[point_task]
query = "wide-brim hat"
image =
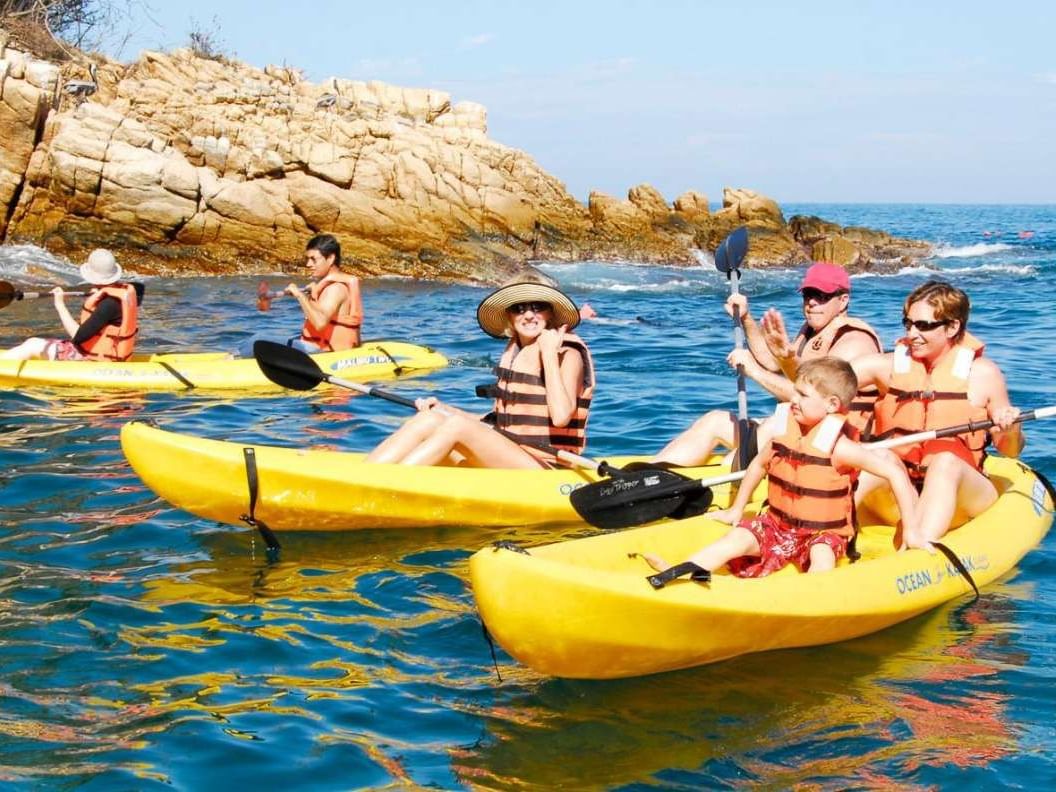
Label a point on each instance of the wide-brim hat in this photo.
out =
(101, 268)
(491, 313)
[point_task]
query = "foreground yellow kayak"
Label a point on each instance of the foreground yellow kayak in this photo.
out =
(212, 370)
(583, 608)
(313, 490)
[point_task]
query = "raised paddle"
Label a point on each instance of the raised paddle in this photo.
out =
(291, 368)
(728, 258)
(641, 499)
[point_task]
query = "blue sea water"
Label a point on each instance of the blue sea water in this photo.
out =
(144, 648)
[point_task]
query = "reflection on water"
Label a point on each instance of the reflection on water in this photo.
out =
(143, 648)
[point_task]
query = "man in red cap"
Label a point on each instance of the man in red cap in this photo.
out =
(772, 360)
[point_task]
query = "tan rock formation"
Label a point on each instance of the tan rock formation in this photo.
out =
(196, 165)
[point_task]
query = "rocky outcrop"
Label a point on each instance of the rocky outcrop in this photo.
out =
(858, 249)
(192, 165)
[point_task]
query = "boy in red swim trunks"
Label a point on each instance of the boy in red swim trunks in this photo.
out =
(812, 466)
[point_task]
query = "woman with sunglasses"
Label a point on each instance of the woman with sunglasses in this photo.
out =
(937, 377)
(772, 360)
(542, 396)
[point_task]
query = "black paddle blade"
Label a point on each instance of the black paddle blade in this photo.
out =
(630, 499)
(291, 368)
(7, 294)
(731, 252)
(747, 444)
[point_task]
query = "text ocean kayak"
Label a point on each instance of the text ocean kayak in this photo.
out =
(212, 370)
(583, 608)
(315, 490)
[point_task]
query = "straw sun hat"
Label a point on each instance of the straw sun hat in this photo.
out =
(101, 268)
(491, 313)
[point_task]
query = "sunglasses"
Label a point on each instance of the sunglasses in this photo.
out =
(534, 307)
(922, 325)
(820, 297)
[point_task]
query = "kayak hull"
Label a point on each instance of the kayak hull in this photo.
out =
(212, 370)
(583, 608)
(316, 490)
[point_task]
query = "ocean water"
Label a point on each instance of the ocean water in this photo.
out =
(144, 648)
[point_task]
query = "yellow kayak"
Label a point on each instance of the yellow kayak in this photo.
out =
(212, 370)
(583, 608)
(315, 490)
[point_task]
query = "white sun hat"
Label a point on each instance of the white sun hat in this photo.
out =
(101, 268)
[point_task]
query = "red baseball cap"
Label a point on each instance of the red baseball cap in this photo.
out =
(826, 277)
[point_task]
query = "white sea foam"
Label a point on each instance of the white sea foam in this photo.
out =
(968, 251)
(1013, 269)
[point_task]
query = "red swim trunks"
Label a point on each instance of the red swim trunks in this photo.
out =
(780, 545)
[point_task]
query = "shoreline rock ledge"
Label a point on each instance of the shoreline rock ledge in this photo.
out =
(190, 165)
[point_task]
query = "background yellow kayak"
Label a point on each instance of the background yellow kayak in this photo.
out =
(212, 370)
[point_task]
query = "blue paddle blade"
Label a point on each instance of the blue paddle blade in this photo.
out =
(731, 252)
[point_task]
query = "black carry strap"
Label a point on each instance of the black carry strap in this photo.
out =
(183, 380)
(397, 369)
(270, 540)
(957, 563)
(697, 574)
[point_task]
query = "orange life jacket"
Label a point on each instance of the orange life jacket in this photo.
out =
(810, 347)
(520, 402)
(918, 400)
(112, 342)
(342, 331)
(805, 489)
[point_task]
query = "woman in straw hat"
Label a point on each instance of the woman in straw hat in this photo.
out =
(542, 396)
(108, 323)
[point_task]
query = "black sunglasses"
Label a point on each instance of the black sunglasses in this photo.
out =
(922, 325)
(534, 307)
(820, 297)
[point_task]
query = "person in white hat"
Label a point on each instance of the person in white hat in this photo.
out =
(772, 360)
(108, 322)
(542, 394)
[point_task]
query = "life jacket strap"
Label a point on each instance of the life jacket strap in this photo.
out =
(810, 525)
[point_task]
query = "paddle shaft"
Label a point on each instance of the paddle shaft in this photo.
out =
(686, 488)
(738, 343)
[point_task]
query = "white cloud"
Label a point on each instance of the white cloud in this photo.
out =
(479, 40)
(1049, 78)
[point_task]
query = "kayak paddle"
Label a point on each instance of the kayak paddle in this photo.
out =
(9, 294)
(265, 296)
(641, 499)
(728, 258)
(291, 368)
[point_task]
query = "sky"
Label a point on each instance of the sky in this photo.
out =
(847, 102)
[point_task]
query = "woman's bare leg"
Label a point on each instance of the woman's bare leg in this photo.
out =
(481, 446)
(413, 433)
